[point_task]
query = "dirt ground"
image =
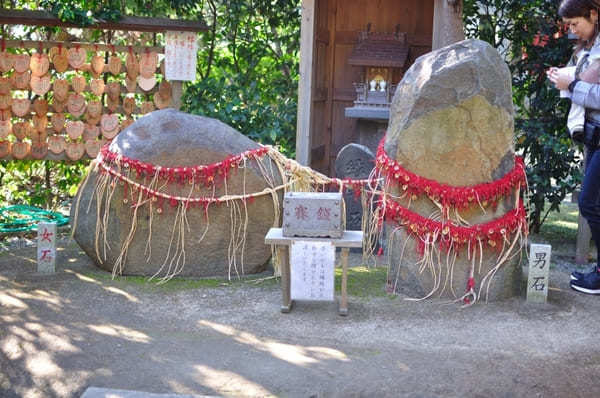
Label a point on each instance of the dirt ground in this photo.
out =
(62, 333)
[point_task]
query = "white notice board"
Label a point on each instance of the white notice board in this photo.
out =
(312, 265)
(181, 56)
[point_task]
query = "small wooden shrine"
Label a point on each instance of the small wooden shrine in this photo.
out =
(382, 57)
(339, 62)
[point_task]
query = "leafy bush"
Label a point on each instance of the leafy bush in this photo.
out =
(531, 37)
(248, 69)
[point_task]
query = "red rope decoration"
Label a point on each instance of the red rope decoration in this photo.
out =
(446, 195)
(205, 174)
(493, 232)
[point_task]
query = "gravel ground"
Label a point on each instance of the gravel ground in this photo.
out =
(62, 333)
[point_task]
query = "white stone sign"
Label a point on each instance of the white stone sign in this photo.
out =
(312, 265)
(46, 247)
(539, 272)
(180, 56)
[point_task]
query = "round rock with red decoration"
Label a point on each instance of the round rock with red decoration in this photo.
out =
(453, 128)
(180, 143)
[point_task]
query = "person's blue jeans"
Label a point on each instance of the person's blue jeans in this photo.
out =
(589, 198)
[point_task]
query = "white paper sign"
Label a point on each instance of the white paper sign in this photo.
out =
(312, 266)
(180, 56)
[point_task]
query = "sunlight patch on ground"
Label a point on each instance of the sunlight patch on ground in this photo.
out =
(9, 301)
(42, 365)
(566, 224)
(52, 336)
(17, 298)
(294, 354)
(222, 380)
(111, 289)
(121, 332)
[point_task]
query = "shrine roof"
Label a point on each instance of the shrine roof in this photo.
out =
(388, 50)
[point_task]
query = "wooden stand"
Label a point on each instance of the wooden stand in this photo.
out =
(348, 240)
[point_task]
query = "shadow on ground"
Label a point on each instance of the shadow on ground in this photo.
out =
(62, 333)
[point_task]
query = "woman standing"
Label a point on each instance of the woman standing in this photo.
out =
(582, 18)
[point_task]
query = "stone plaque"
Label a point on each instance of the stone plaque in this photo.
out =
(354, 161)
(539, 271)
(312, 265)
(312, 214)
(46, 247)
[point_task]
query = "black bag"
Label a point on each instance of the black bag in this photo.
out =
(591, 135)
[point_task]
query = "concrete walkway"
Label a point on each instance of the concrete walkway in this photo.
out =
(95, 392)
(64, 333)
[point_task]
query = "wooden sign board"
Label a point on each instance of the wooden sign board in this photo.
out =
(313, 214)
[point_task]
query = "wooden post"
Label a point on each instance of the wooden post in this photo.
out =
(177, 88)
(283, 252)
(447, 23)
(305, 85)
(343, 311)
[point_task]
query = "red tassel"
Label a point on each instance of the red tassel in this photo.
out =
(470, 284)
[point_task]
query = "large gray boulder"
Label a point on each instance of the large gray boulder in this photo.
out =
(171, 138)
(452, 121)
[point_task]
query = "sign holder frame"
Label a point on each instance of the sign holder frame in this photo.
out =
(282, 243)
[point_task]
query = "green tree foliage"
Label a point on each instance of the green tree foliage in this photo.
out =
(247, 76)
(531, 37)
(248, 69)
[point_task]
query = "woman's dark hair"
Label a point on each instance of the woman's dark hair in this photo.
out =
(580, 8)
(577, 8)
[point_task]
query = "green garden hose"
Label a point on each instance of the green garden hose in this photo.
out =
(23, 218)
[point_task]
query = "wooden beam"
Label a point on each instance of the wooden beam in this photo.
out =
(305, 85)
(137, 24)
(447, 23)
(88, 46)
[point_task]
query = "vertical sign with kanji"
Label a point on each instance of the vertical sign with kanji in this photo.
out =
(312, 265)
(46, 247)
(539, 272)
(180, 56)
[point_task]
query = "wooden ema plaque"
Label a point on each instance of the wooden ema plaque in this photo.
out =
(7, 61)
(20, 81)
(97, 64)
(20, 106)
(21, 63)
(76, 57)
(60, 61)
(5, 128)
(39, 64)
(56, 144)
(50, 106)
(5, 149)
(40, 84)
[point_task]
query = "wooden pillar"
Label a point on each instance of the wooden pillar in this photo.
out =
(177, 88)
(305, 85)
(447, 23)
